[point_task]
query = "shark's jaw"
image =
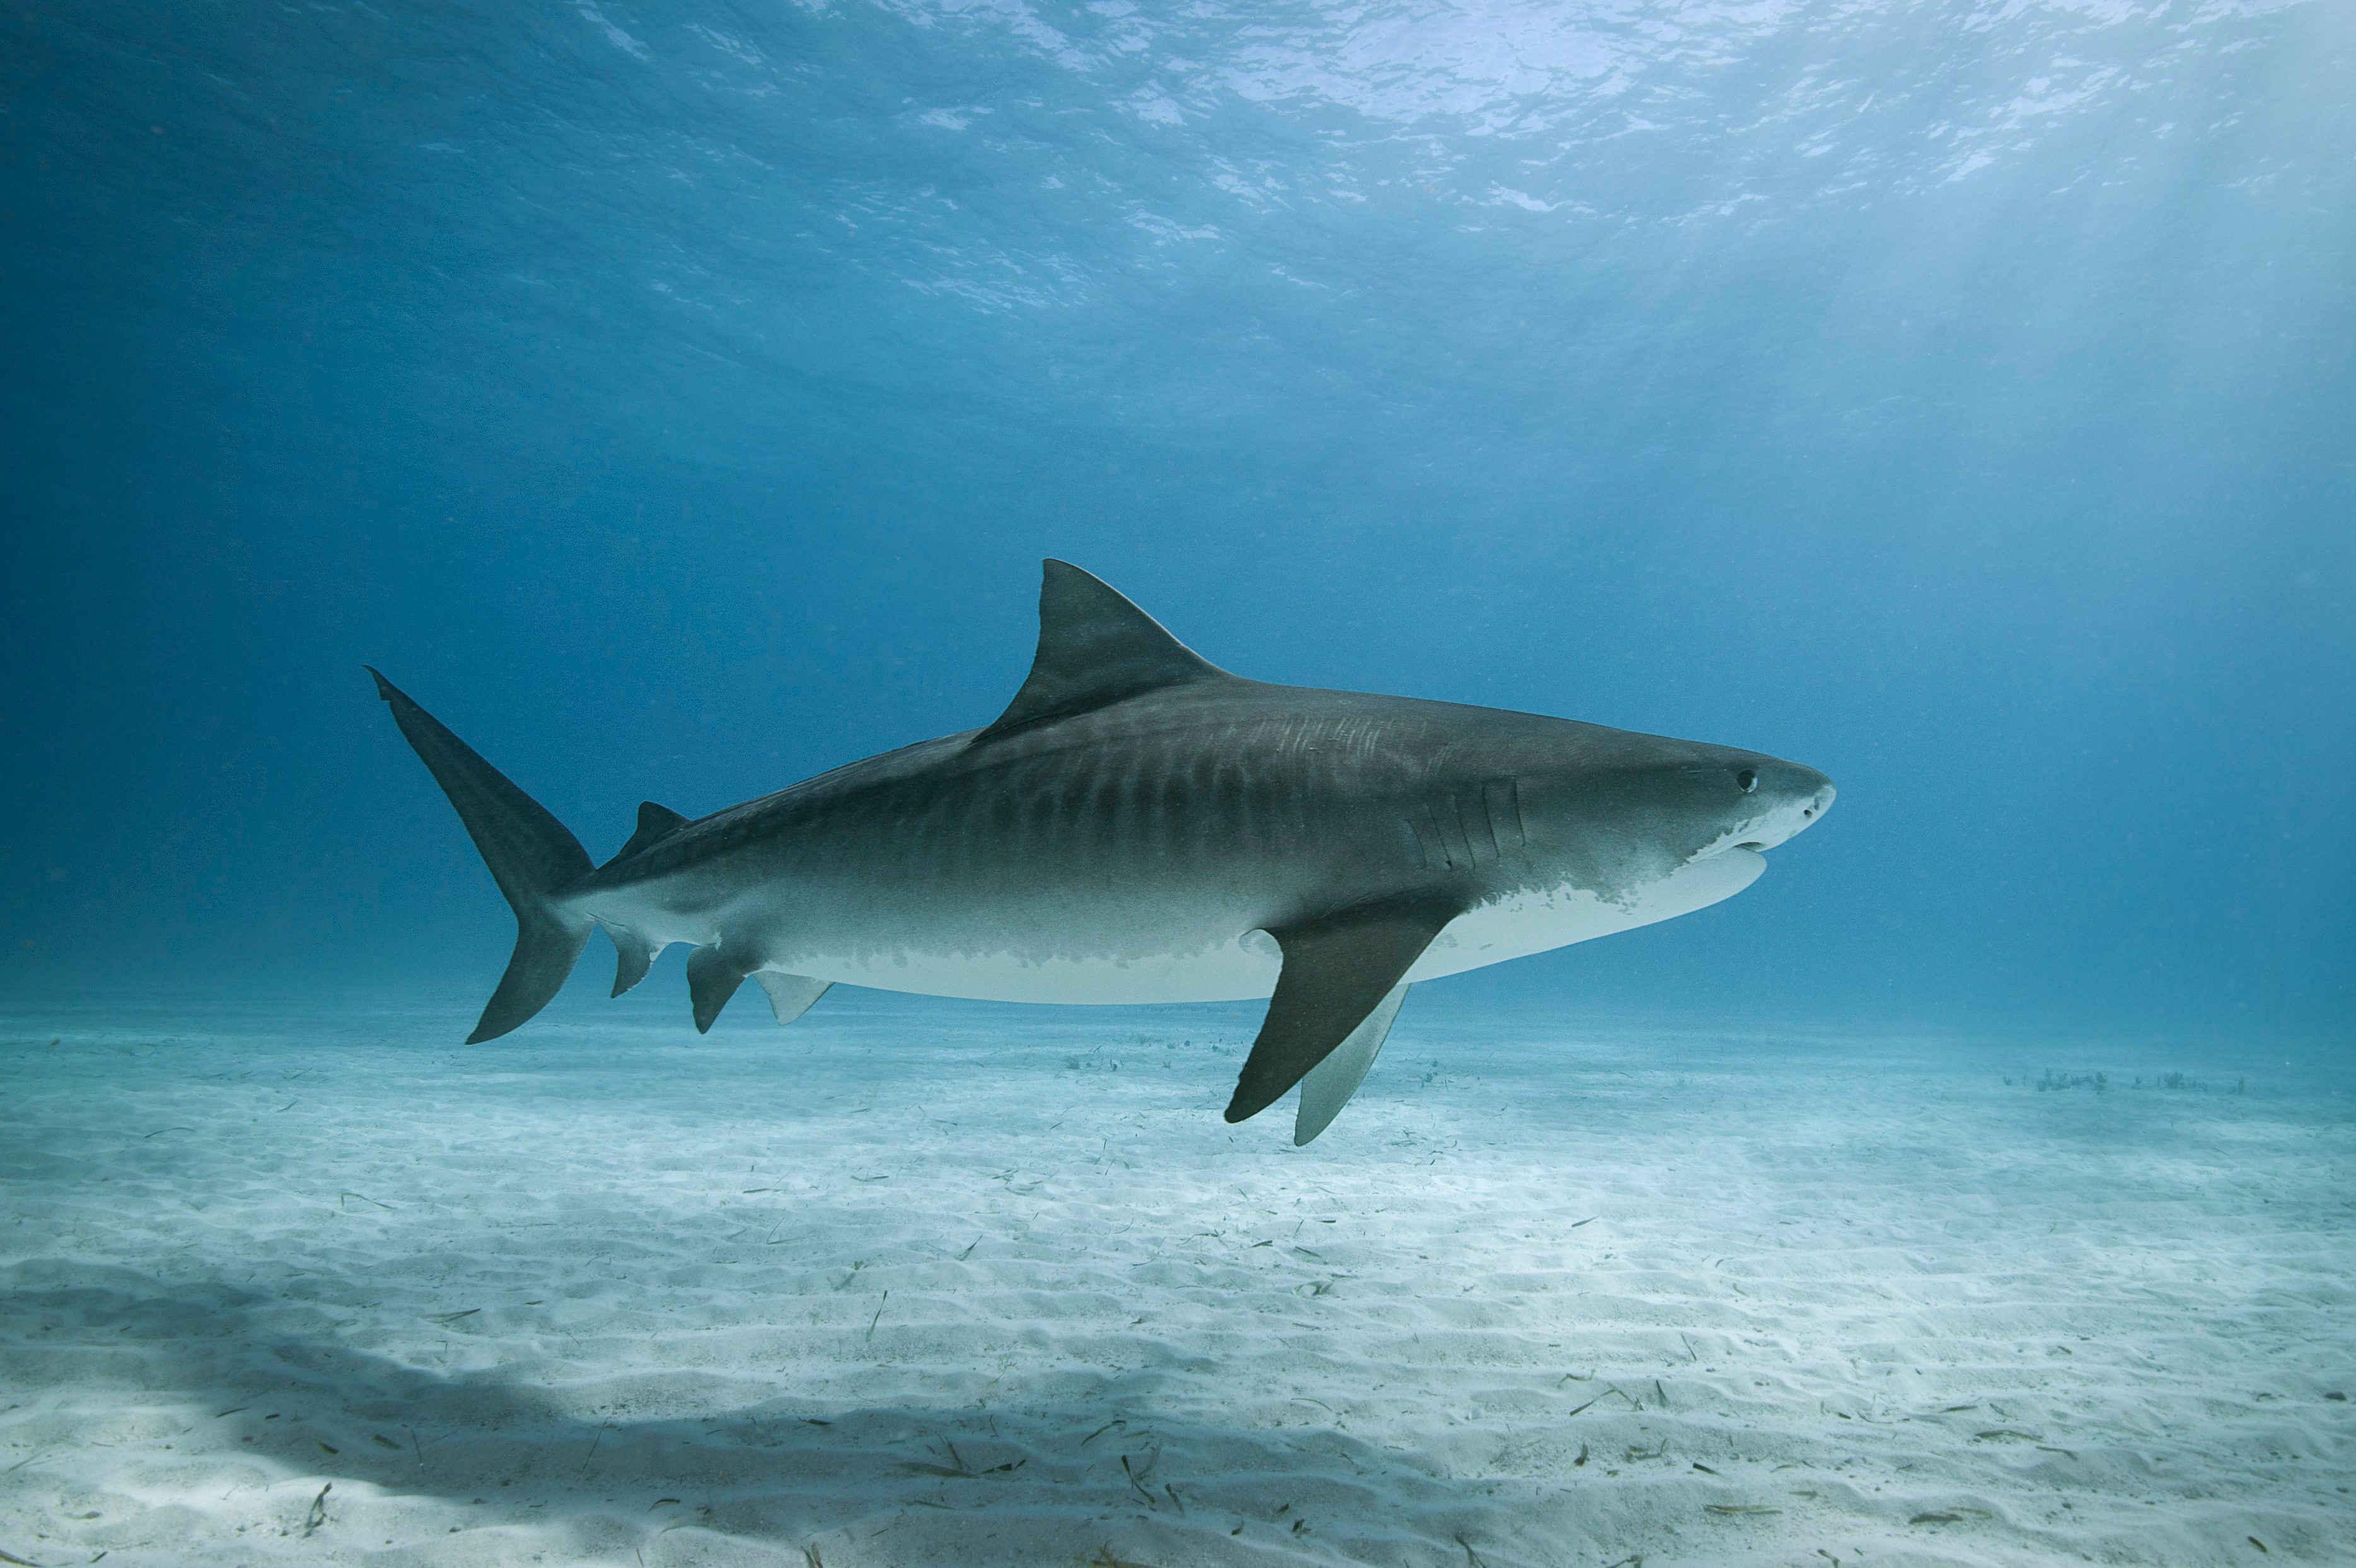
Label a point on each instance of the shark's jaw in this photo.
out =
(1775, 822)
(1524, 923)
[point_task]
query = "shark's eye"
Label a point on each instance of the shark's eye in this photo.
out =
(1746, 779)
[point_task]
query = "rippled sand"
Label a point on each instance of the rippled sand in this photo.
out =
(939, 1284)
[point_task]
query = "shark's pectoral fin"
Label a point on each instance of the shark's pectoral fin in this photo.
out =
(791, 995)
(711, 980)
(633, 956)
(1330, 1082)
(1338, 970)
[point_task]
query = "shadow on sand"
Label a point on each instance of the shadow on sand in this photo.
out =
(249, 1389)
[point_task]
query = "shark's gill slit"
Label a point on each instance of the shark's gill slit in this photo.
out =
(1440, 837)
(1454, 831)
(1501, 797)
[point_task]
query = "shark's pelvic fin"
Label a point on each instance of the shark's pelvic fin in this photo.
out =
(1338, 969)
(711, 980)
(791, 995)
(654, 822)
(532, 857)
(1330, 1082)
(1095, 648)
(633, 956)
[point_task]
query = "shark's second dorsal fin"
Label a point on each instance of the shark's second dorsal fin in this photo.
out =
(1095, 648)
(654, 822)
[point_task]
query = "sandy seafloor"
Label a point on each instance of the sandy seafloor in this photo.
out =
(931, 1284)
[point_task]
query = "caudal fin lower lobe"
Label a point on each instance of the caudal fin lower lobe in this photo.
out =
(533, 856)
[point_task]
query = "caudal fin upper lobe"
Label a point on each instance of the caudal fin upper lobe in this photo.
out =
(532, 856)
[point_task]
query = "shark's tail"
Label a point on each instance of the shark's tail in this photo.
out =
(532, 856)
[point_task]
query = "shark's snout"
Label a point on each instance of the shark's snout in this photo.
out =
(1812, 790)
(1796, 798)
(1780, 800)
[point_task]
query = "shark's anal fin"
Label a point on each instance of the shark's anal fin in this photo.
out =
(654, 822)
(1095, 648)
(711, 980)
(1330, 1082)
(633, 956)
(791, 995)
(1338, 969)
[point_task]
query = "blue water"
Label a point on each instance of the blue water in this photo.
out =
(1955, 397)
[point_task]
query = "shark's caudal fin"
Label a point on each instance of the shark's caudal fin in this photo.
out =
(532, 856)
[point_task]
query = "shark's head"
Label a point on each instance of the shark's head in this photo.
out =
(1771, 800)
(1616, 813)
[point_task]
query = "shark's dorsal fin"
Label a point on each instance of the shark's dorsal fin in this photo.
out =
(654, 822)
(1095, 648)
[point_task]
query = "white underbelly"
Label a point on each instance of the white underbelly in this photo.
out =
(1245, 967)
(1223, 972)
(1541, 922)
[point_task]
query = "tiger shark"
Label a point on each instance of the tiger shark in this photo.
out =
(1139, 825)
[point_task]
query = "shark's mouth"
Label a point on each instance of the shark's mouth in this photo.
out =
(1728, 846)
